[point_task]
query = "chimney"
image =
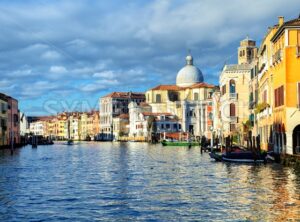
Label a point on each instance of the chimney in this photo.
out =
(280, 20)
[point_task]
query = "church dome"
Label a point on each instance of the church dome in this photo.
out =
(189, 74)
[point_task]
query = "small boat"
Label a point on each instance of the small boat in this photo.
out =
(70, 142)
(239, 157)
(179, 143)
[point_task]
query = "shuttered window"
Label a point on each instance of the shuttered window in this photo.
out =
(223, 89)
(158, 98)
(265, 96)
(279, 96)
(232, 109)
(298, 94)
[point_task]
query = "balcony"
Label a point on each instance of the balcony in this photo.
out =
(277, 57)
(252, 104)
(233, 96)
(265, 113)
(233, 119)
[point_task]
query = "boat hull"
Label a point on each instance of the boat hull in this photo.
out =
(168, 143)
(237, 157)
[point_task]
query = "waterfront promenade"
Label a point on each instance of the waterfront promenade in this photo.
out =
(141, 182)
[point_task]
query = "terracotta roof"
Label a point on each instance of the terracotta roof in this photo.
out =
(127, 95)
(167, 87)
(175, 87)
(202, 85)
(291, 23)
(144, 104)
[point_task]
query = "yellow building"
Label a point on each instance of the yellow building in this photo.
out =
(263, 110)
(277, 111)
(286, 86)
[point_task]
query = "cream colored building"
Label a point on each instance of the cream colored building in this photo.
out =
(234, 86)
(190, 100)
(120, 126)
(113, 105)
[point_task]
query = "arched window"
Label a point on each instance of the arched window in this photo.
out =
(232, 109)
(232, 86)
(158, 98)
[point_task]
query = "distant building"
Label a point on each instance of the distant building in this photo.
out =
(13, 123)
(136, 127)
(3, 119)
(113, 105)
(24, 124)
(38, 128)
(120, 126)
(190, 100)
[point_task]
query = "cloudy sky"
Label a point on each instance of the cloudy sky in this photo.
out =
(62, 55)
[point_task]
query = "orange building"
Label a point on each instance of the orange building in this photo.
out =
(286, 86)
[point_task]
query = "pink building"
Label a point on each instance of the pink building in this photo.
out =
(13, 123)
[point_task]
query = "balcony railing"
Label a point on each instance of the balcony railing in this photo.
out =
(233, 119)
(232, 95)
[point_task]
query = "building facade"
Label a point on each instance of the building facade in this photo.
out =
(13, 121)
(113, 105)
(235, 91)
(3, 119)
(190, 100)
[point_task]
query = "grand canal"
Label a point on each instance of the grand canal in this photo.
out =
(141, 182)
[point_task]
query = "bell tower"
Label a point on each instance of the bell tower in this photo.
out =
(247, 51)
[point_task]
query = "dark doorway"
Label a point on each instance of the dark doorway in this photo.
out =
(296, 140)
(191, 129)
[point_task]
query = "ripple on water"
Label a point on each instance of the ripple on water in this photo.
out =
(130, 182)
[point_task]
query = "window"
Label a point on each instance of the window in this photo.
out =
(158, 98)
(298, 88)
(196, 96)
(232, 86)
(264, 99)
(232, 109)
(223, 89)
(168, 126)
(162, 126)
(279, 96)
(175, 125)
(179, 126)
(251, 97)
(232, 127)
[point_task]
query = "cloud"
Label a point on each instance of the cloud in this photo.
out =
(51, 55)
(83, 49)
(58, 69)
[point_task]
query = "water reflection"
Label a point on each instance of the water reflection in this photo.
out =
(136, 181)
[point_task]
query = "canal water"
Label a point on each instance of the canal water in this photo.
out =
(141, 182)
